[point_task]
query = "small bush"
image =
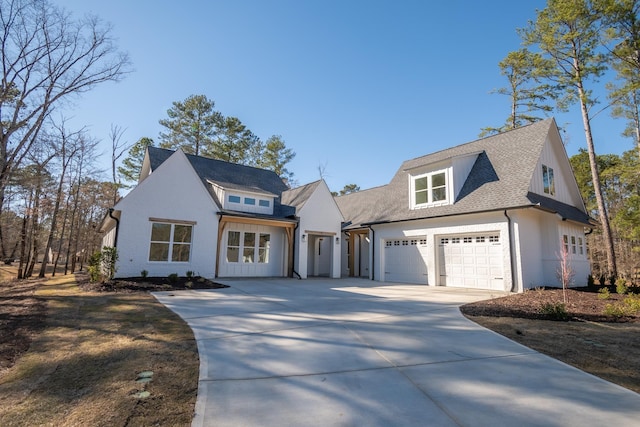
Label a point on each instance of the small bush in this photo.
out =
(190, 274)
(632, 301)
(615, 310)
(188, 285)
(621, 286)
(604, 293)
(556, 311)
(144, 274)
(173, 278)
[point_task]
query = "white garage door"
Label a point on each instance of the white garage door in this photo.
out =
(405, 260)
(471, 261)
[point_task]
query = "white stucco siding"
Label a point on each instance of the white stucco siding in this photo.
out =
(432, 229)
(173, 192)
(272, 265)
(321, 215)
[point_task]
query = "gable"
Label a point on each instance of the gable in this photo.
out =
(170, 188)
(553, 163)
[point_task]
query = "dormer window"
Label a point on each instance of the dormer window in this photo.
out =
(430, 189)
(548, 181)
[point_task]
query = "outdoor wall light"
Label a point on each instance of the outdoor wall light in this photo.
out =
(337, 240)
(304, 237)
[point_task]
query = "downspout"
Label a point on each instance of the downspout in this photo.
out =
(511, 258)
(115, 238)
(373, 252)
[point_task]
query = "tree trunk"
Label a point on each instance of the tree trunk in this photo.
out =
(595, 176)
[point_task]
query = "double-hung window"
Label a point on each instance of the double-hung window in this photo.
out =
(170, 242)
(430, 188)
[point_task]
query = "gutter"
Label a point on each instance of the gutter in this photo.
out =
(115, 238)
(511, 257)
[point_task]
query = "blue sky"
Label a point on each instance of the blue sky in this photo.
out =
(354, 86)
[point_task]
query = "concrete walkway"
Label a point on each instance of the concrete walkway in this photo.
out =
(352, 352)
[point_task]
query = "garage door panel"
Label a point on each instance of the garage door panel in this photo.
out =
(473, 261)
(405, 260)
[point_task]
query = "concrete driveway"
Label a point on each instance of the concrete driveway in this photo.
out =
(352, 352)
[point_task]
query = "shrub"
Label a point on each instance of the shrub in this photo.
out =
(632, 301)
(102, 264)
(556, 311)
(173, 278)
(144, 274)
(604, 293)
(615, 310)
(109, 258)
(621, 286)
(190, 274)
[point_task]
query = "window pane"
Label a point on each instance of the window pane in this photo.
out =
(249, 240)
(159, 252)
(552, 185)
(437, 180)
(265, 244)
(421, 197)
(264, 203)
(182, 233)
(439, 194)
(233, 254)
(180, 253)
(248, 254)
(545, 179)
(234, 199)
(160, 232)
(249, 201)
(421, 183)
(234, 238)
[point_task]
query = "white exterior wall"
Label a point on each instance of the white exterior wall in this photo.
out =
(109, 237)
(320, 214)
(527, 239)
(173, 192)
(461, 168)
(277, 253)
(432, 228)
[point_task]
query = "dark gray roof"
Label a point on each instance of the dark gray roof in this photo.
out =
(499, 179)
(298, 196)
(231, 175)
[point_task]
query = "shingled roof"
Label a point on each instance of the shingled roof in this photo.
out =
(499, 179)
(231, 176)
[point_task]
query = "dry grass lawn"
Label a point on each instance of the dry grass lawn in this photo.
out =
(102, 359)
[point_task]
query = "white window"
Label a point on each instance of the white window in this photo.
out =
(548, 181)
(430, 188)
(580, 247)
(234, 199)
(170, 242)
(248, 244)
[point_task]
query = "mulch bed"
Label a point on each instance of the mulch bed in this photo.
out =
(582, 304)
(147, 284)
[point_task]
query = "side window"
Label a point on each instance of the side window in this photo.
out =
(170, 242)
(548, 180)
(233, 246)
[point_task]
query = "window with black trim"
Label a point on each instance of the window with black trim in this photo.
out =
(170, 242)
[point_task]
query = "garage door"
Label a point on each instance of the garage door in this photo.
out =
(471, 261)
(405, 260)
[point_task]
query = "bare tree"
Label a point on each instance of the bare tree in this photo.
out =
(118, 148)
(46, 57)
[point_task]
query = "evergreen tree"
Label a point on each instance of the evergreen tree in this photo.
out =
(131, 165)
